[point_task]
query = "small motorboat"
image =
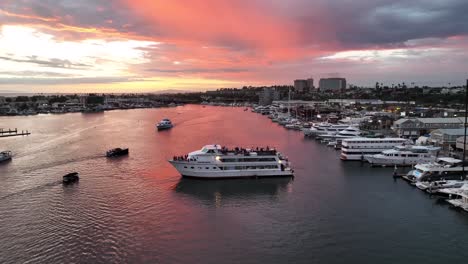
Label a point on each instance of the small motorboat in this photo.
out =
(5, 156)
(71, 178)
(116, 152)
(164, 124)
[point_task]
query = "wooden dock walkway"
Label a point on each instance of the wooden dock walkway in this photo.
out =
(13, 132)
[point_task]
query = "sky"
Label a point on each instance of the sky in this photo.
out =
(153, 45)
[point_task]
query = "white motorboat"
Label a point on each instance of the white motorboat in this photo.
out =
(323, 128)
(214, 161)
(434, 186)
(5, 156)
(348, 132)
(164, 124)
(404, 156)
(461, 201)
(443, 168)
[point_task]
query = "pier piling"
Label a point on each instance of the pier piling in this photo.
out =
(13, 132)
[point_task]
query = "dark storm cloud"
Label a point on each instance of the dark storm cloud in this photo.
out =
(387, 23)
(349, 23)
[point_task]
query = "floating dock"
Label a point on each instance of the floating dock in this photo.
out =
(13, 132)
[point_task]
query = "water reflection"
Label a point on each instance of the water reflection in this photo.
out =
(216, 191)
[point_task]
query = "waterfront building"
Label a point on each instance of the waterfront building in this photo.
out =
(332, 84)
(299, 103)
(349, 102)
(415, 127)
(447, 138)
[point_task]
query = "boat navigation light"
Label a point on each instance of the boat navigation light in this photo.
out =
(218, 158)
(279, 161)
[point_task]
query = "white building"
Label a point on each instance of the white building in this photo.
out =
(415, 127)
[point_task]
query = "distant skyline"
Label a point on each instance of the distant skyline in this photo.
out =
(150, 45)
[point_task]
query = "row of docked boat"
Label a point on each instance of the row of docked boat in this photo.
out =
(443, 176)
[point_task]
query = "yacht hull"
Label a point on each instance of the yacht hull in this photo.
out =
(207, 171)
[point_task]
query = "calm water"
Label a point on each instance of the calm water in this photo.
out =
(137, 209)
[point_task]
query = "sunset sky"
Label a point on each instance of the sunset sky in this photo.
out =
(151, 45)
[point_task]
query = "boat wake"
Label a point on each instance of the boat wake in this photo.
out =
(57, 141)
(31, 190)
(62, 162)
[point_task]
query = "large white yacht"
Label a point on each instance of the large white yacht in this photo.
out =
(357, 148)
(348, 132)
(324, 128)
(444, 168)
(214, 161)
(404, 156)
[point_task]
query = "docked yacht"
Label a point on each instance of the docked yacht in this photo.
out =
(324, 128)
(404, 156)
(444, 168)
(216, 162)
(453, 191)
(5, 156)
(462, 201)
(348, 132)
(433, 187)
(357, 148)
(164, 124)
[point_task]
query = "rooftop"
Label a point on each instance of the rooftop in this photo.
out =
(450, 131)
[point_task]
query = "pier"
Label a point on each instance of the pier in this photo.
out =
(13, 132)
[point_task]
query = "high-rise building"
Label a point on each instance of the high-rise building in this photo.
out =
(300, 86)
(336, 84)
(310, 84)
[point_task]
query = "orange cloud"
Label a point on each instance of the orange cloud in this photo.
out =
(24, 16)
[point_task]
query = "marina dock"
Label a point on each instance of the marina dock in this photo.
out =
(13, 132)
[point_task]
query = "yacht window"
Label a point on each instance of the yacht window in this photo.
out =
(185, 167)
(192, 167)
(214, 168)
(207, 168)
